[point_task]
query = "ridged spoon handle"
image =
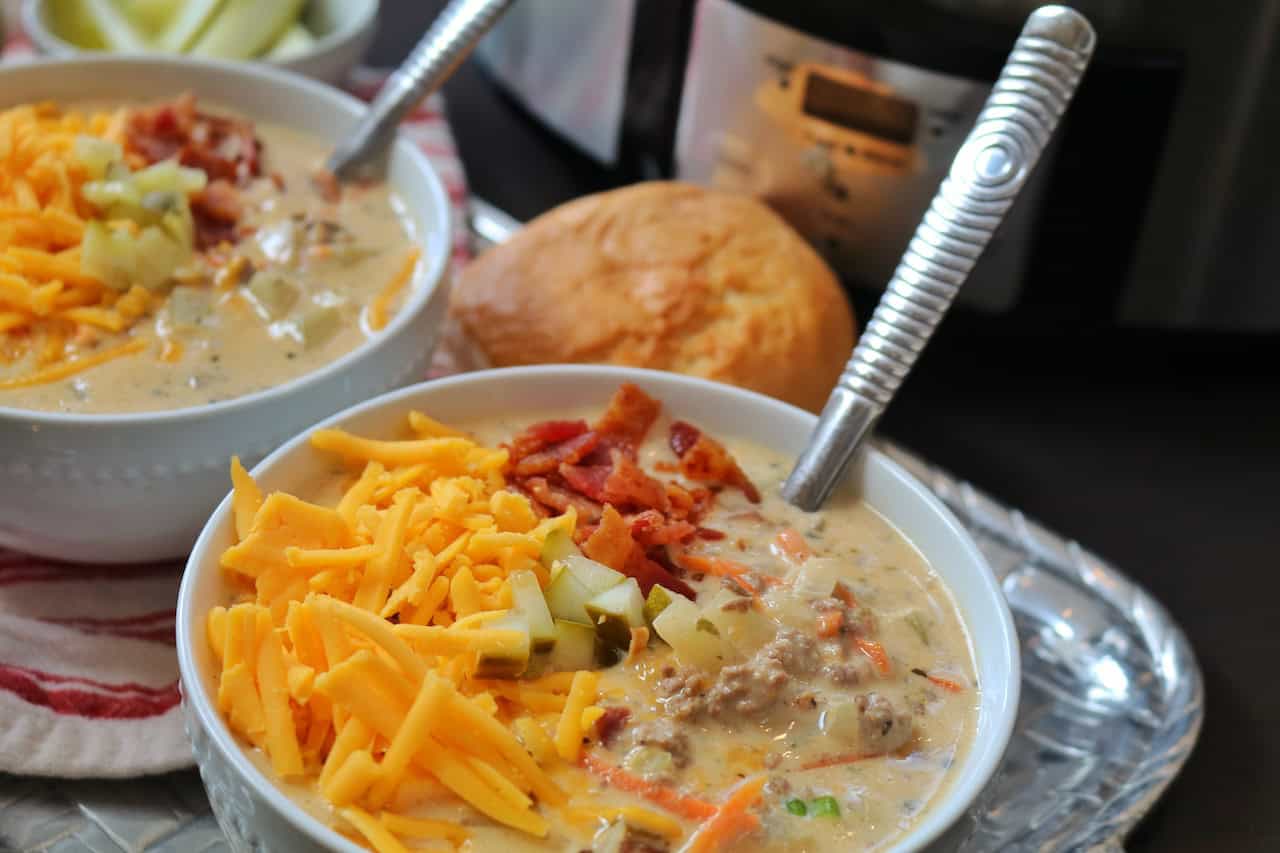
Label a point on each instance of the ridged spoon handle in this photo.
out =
(451, 38)
(1033, 90)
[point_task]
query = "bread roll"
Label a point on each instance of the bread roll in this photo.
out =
(663, 275)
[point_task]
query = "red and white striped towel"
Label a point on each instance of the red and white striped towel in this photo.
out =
(88, 671)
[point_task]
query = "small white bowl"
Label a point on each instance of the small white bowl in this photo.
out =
(256, 813)
(132, 487)
(343, 28)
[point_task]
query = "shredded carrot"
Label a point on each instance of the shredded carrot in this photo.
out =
(876, 653)
(793, 545)
(731, 820)
(69, 368)
(639, 642)
(845, 594)
(378, 308)
(830, 623)
(721, 567)
(945, 683)
(170, 350)
(661, 795)
(837, 760)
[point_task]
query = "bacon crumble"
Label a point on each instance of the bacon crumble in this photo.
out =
(224, 148)
(628, 519)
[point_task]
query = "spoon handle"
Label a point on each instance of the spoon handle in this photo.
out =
(1033, 90)
(450, 40)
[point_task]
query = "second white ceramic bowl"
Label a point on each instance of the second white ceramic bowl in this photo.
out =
(137, 487)
(343, 30)
(256, 814)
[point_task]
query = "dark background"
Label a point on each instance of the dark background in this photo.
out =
(1159, 451)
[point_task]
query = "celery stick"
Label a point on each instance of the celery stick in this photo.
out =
(245, 28)
(69, 21)
(295, 41)
(118, 34)
(186, 27)
(150, 16)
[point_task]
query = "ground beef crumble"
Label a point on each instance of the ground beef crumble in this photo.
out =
(665, 735)
(855, 670)
(747, 688)
(884, 727)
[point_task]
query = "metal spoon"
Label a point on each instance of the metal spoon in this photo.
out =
(1033, 90)
(452, 37)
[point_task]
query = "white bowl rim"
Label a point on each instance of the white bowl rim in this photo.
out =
(955, 800)
(428, 282)
(33, 22)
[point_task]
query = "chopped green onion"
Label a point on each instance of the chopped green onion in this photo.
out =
(826, 807)
(797, 808)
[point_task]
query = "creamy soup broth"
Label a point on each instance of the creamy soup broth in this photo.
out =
(879, 798)
(340, 255)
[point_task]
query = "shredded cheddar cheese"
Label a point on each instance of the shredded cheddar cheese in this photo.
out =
(47, 303)
(350, 658)
(382, 302)
(73, 366)
(570, 729)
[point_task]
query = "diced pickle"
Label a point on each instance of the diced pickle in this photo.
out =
(616, 611)
(120, 260)
(273, 293)
(557, 546)
(161, 202)
(109, 256)
(580, 580)
(120, 194)
(539, 665)
(168, 176)
(656, 602)
(596, 577)
(507, 662)
(575, 647)
(158, 255)
(319, 324)
(530, 604)
(180, 225)
(567, 596)
(97, 155)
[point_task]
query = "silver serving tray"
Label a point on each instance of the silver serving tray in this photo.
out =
(1112, 702)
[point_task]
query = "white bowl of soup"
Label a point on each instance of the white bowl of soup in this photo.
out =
(190, 294)
(564, 608)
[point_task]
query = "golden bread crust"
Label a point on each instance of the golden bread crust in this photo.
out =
(663, 275)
